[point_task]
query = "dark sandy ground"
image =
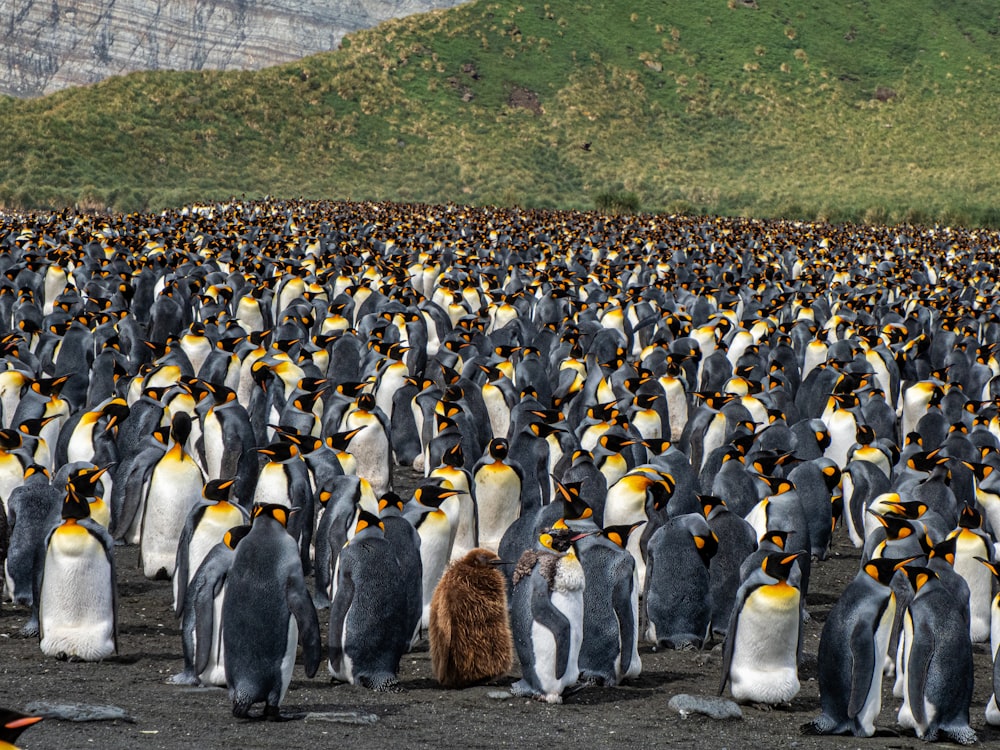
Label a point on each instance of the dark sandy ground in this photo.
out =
(168, 717)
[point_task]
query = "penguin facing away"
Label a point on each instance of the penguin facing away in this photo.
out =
(469, 631)
(609, 652)
(266, 608)
(937, 652)
(368, 618)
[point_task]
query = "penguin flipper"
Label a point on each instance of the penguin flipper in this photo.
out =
(921, 650)
(546, 615)
(200, 603)
(301, 607)
(862, 651)
(338, 612)
(734, 621)
(622, 602)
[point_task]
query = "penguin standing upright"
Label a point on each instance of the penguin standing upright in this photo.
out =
(266, 608)
(175, 486)
(437, 534)
(676, 586)
(761, 655)
(547, 616)
(852, 650)
(469, 631)
(204, 527)
(368, 627)
(371, 447)
(201, 614)
(609, 652)
(496, 489)
(78, 596)
(737, 541)
(936, 651)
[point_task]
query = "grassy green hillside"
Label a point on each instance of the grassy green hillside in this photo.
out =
(876, 110)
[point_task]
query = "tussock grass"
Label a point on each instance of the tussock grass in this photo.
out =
(829, 111)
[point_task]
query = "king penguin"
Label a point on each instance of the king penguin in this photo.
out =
(547, 616)
(78, 596)
(852, 648)
(368, 627)
(936, 652)
(764, 639)
(496, 490)
(204, 527)
(469, 631)
(266, 609)
(610, 649)
(201, 615)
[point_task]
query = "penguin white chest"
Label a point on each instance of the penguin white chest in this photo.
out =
(76, 604)
(764, 665)
(174, 488)
(567, 597)
(498, 497)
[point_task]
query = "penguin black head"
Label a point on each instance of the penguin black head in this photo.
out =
(970, 518)
(882, 569)
(217, 490)
(339, 441)
(560, 537)
(453, 456)
(366, 402)
(390, 500)
(233, 537)
(918, 576)
(180, 427)
(577, 508)
(367, 520)
(12, 723)
(709, 503)
(498, 448)
(116, 411)
(83, 482)
(75, 507)
(619, 534)
(432, 495)
(779, 565)
(280, 450)
(945, 549)
(10, 440)
(278, 512)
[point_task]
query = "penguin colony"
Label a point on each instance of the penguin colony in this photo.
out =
(659, 423)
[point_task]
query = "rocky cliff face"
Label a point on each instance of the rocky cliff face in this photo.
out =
(46, 45)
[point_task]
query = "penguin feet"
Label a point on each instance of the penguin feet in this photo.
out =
(521, 689)
(30, 629)
(822, 724)
(961, 735)
(273, 713)
(184, 678)
(241, 710)
(381, 684)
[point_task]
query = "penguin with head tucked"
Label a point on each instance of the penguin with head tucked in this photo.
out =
(201, 614)
(737, 540)
(936, 655)
(406, 542)
(610, 649)
(547, 615)
(265, 613)
(77, 594)
(469, 631)
(761, 654)
(852, 648)
(369, 632)
(676, 587)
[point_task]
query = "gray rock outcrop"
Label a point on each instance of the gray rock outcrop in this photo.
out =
(47, 46)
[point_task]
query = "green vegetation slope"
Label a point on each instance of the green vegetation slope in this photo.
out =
(877, 110)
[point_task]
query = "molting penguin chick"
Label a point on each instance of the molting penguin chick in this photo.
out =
(470, 637)
(547, 616)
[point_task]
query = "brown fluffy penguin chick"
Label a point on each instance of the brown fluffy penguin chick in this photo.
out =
(469, 632)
